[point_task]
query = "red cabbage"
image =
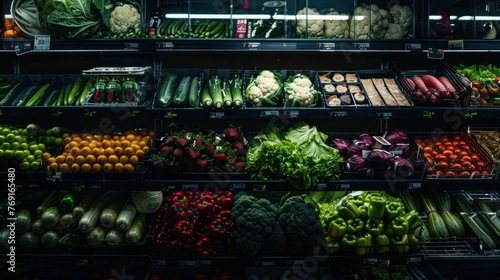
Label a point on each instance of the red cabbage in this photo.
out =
(356, 164)
(397, 135)
(402, 167)
(342, 145)
(402, 149)
(380, 160)
(358, 147)
(366, 138)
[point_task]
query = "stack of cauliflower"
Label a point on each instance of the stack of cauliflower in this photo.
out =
(264, 90)
(367, 22)
(300, 92)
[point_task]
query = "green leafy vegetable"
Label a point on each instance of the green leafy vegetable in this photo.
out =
(479, 73)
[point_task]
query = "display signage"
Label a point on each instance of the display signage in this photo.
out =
(326, 46)
(42, 42)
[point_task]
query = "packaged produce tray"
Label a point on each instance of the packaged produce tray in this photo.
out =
(433, 97)
(356, 167)
(489, 139)
(466, 160)
(120, 86)
(344, 86)
(312, 87)
(387, 85)
(168, 99)
(231, 80)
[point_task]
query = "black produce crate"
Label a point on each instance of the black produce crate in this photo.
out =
(181, 72)
(386, 74)
(325, 81)
(462, 85)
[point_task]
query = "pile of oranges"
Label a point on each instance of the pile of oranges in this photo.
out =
(86, 152)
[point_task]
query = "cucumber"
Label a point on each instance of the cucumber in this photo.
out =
(76, 89)
(135, 233)
(38, 94)
(205, 99)
(217, 29)
(182, 92)
(91, 216)
(60, 98)
(165, 93)
(126, 216)
(66, 94)
(110, 213)
(89, 85)
(51, 97)
(215, 88)
(24, 97)
(50, 217)
(193, 92)
(236, 91)
(67, 203)
(8, 95)
(227, 99)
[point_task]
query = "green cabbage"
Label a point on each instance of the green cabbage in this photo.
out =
(69, 19)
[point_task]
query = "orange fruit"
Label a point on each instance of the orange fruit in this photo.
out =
(74, 151)
(130, 137)
(46, 156)
(125, 143)
(64, 167)
(122, 138)
(133, 160)
(86, 168)
(97, 137)
(66, 140)
(75, 167)
(80, 159)
(129, 151)
(87, 137)
(50, 160)
(129, 168)
(107, 136)
(108, 151)
(70, 160)
(113, 159)
(96, 167)
(92, 145)
(136, 146)
(90, 159)
(96, 152)
(107, 167)
(118, 151)
(54, 167)
(85, 151)
(83, 143)
(102, 159)
(117, 143)
(145, 149)
(60, 159)
(77, 139)
(143, 132)
(139, 153)
(119, 167)
(124, 159)
(151, 133)
(75, 135)
(106, 144)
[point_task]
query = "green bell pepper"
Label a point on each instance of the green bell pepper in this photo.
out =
(413, 219)
(364, 245)
(382, 244)
(348, 242)
(399, 226)
(376, 207)
(363, 211)
(374, 227)
(399, 244)
(413, 242)
(333, 245)
(337, 228)
(355, 225)
(393, 210)
(348, 210)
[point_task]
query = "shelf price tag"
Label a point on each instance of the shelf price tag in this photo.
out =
(42, 42)
(169, 115)
(428, 114)
(361, 46)
(24, 47)
(189, 187)
(186, 263)
(292, 114)
(435, 53)
(129, 45)
(414, 260)
(413, 47)
(326, 46)
(55, 112)
(164, 45)
(343, 186)
(414, 186)
(216, 115)
(370, 261)
(269, 114)
(238, 186)
(78, 187)
(251, 46)
(321, 187)
(89, 112)
(470, 115)
(295, 263)
(456, 44)
(338, 114)
(384, 115)
(265, 263)
(159, 262)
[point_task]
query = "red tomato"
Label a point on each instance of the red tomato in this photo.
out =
(428, 155)
(455, 143)
(486, 172)
(447, 143)
(434, 153)
(450, 147)
(466, 164)
(442, 165)
(439, 172)
(464, 154)
(427, 149)
(464, 174)
(437, 143)
(441, 157)
(456, 166)
(457, 151)
(418, 140)
(466, 147)
(441, 148)
(447, 152)
(472, 166)
(457, 137)
(449, 173)
(474, 157)
(462, 143)
(466, 158)
(452, 158)
(481, 164)
(475, 173)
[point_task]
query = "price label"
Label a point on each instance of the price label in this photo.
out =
(265, 263)
(95, 187)
(456, 44)
(292, 114)
(295, 263)
(342, 186)
(252, 46)
(414, 260)
(384, 115)
(55, 113)
(470, 115)
(189, 187)
(89, 113)
(238, 186)
(170, 115)
(326, 46)
(23, 48)
(414, 47)
(78, 187)
(164, 45)
(132, 46)
(321, 187)
(370, 261)
(435, 53)
(186, 263)
(428, 114)
(269, 113)
(216, 115)
(338, 114)
(414, 186)
(42, 42)
(33, 186)
(361, 46)
(159, 262)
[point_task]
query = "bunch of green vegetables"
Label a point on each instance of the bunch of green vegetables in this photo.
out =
(299, 155)
(366, 223)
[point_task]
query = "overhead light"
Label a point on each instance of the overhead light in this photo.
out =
(493, 18)
(311, 17)
(218, 16)
(439, 17)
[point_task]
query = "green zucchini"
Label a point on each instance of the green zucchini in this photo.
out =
(205, 98)
(182, 92)
(50, 217)
(97, 236)
(50, 240)
(126, 216)
(215, 88)
(23, 220)
(453, 222)
(193, 92)
(67, 222)
(91, 216)
(66, 94)
(37, 227)
(437, 226)
(51, 97)
(135, 233)
(29, 240)
(114, 237)
(8, 95)
(75, 89)
(38, 94)
(89, 85)
(60, 98)
(86, 200)
(67, 203)
(165, 93)
(34, 129)
(227, 98)
(26, 95)
(110, 213)
(236, 91)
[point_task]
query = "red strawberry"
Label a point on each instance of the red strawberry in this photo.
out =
(197, 142)
(201, 165)
(178, 154)
(193, 153)
(220, 157)
(169, 140)
(239, 166)
(209, 149)
(181, 142)
(232, 134)
(166, 149)
(240, 147)
(233, 160)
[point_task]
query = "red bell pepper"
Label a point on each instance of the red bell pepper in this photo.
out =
(182, 211)
(205, 204)
(184, 230)
(225, 216)
(218, 229)
(202, 230)
(224, 199)
(204, 246)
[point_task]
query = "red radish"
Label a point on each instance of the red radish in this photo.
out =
(197, 142)
(181, 142)
(420, 84)
(232, 134)
(178, 154)
(209, 149)
(233, 160)
(166, 149)
(239, 166)
(240, 147)
(169, 140)
(193, 153)
(447, 84)
(201, 165)
(220, 157)
(432, 81)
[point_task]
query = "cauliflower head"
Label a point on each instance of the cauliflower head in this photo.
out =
(368, 22)
(336, 28)
(300, 91)
(394, 31)
(401, 15)
(125, 19)
(307, 27)
(263, 86)
(384, 24)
